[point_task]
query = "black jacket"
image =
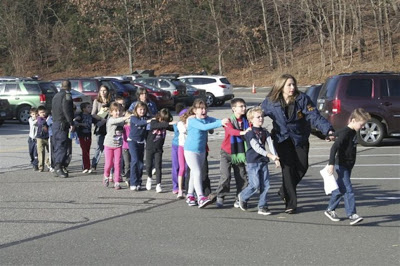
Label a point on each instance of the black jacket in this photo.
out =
(62, 108)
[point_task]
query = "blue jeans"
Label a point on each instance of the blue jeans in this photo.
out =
(99, 150)
(258, 179)
(345, 190)
(137, 154)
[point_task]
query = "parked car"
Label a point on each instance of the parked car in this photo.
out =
(88, 86)
(160, 97)
(23, 95)
(5, 111)
(78, 98)
(121, 88)
(194, 94)
(218, 88)
(174, 86)
(378, 93)
(313, 92)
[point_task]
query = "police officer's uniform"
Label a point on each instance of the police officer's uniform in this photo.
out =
(291, 131)
(63, 115)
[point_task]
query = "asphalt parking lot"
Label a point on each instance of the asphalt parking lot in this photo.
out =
(76, 221)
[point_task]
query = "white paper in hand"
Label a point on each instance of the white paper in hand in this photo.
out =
(329, 181)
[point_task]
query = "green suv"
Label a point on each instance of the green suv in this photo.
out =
(23, 95)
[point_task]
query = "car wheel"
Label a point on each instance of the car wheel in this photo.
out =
(219, 103)
(372, 133)
(23, 114)
(210, 99)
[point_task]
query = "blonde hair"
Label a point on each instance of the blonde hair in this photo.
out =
(360, 114)
(140, 104)
(115, 106)
(276, 93)
(253, 111)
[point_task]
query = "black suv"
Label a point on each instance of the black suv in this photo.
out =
(378, 93)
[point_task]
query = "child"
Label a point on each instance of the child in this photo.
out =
(136, 142)
(345, 150)
(195, 149)
(32, 139)
(174, 151)
(113, 145)
(183, 115)
(126, 156)
(49, 122)
(154, 146)
(42, 138)
(84, 129)
(257, 157)
(233, 153)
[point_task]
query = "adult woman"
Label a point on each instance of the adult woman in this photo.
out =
(292, 113)
(100, 113)
(142, 96)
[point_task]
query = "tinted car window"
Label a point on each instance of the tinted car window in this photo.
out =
(11, 89)
(206, 81)
(48, 88)
(89, 86)
(164, 84)
(329, 88)
(224, 80)
(74, 85)
(394, 87)
(359, 88)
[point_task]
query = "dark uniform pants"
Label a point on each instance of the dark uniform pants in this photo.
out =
(294, 163)
(61, 142)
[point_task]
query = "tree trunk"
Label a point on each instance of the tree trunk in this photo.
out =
(269, 46)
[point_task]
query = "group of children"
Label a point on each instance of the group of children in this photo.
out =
(247, 148)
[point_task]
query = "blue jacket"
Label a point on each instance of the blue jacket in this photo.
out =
(197, 131)
(138, 129)
(298, 126)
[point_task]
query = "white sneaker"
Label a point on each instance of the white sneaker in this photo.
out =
(133, 188)
(85, 171)
(148, 183)
(158, 188)
(138, 188)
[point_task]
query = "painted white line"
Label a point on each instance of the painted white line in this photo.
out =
(373, 165)
(376, 178)
(358, 155)
(390, 198)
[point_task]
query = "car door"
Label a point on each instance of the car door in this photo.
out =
(11, 92)
(389, 101)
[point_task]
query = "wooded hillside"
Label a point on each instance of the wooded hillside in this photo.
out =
(250, 41)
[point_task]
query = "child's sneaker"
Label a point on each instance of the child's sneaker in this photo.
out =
(158, 188)
(148, 183)
(332, 215)
(264, 211)
(355, 218)
(138, 188)
(127, 183)
(236, 204)
(117, 186)
(85, 171)
(204, 201)
(191, 201)
(180, 195)
(220, 202)
(106, 182)
(242, 204)
(133, 188)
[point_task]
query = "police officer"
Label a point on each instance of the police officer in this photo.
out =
(63, 115)
(292, 113)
